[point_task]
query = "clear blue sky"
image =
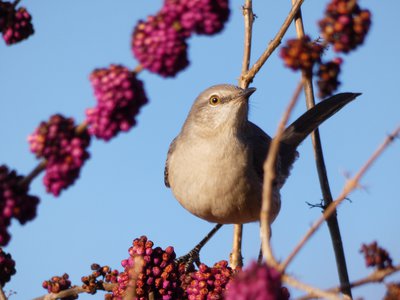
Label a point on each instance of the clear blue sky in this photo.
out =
(121, 194)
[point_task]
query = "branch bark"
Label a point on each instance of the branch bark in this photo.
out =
(73, 291)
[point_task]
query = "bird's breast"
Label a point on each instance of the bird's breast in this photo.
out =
(214, 180)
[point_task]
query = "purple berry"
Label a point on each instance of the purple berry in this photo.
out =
(16, 24)
(120, 95)
(257, 282)
(64, 148)
(159, 44)
(7, 267)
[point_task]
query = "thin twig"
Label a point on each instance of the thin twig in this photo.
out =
(332, 222)
(248, 77)
(377, 277)
(74, 291)
(35, 172)
(2, 295)
(350, 185)
(269, 177)
(309, 289)
(236, 259)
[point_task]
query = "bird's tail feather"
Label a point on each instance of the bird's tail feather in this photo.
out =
(296, 132)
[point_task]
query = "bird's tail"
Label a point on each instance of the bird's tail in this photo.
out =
(296, 132)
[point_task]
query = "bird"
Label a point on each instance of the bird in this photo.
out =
(214, 166)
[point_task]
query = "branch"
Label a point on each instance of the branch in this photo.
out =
(236, 259)
(35, 172)
(269, 177)
(310, 289)
(248, 77)
(2, 295)
(377, 276)
(350, 185)
(332, 222)
(74, 292)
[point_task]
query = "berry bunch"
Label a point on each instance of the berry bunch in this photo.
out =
(345, 25)
(148, 270)
(200, 16)
(159, 43)
(63, 147)
(257, 282)
(376, 256)
(328, 77)
(207, 283)
(92, 283)
(57, 284)
(7, 267)
(14, 202)
(120, 95)
(15, 24)
(301, 54)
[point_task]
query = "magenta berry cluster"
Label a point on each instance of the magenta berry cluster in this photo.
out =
(120, 95)
(57, 284)
(14, 202)
(376, 256)
(7, 267)
(64, 147)
(328, 74)
(15, 24)
(257, 282)
(345, 25)
(301, 54)
(207, 282)
(148, 270)
(159, 42)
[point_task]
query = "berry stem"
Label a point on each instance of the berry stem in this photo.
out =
(2, 295)
(15, 3)
(35, 172)
(137, 69)
(248, 77)
(332, 222)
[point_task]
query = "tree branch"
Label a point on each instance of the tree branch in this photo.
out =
(332, 222)
(2, 295)
(350, 185)
(248, 77)
(269, 177)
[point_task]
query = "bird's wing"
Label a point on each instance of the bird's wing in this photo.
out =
(259, 142)
(170, 150)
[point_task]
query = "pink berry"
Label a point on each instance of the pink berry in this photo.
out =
(16, 25)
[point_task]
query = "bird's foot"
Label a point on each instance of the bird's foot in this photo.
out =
(189, 259)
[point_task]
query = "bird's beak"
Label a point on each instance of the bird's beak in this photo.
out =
(247, 92)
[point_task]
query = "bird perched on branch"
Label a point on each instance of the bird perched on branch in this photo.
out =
(215, 165)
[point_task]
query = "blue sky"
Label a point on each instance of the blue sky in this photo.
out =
(121, 194)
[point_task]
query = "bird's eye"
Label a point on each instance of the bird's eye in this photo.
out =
(214, 100)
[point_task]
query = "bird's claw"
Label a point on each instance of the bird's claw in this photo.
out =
(188, 259)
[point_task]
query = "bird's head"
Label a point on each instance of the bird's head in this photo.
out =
(220, 107)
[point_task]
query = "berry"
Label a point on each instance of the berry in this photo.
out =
(301, 54)
(392, 292)
(148, 270)
(328, 77)
(376, 256)
(120, 95)
(63, 147)
(345, 25)
(92, 283)
(200, 16)
(208, 283)
(257, 282)
(57, 284)
(7, 267)
(14, 202)
(159, 44)
(16, 25)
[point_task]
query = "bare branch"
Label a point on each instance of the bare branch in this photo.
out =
(269, 176)
(350, 185)
(332, 222)
(248, 77)
(35, 172)
(2, 295)
(309, 289)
